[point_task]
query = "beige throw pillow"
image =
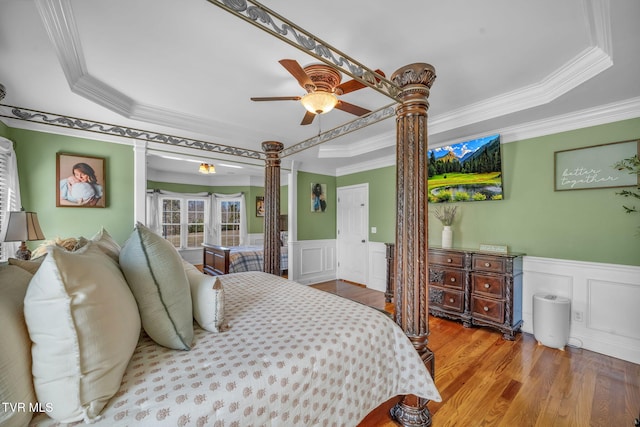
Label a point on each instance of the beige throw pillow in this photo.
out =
(16, 384)
(30, 265)
(107, 244)
(153, 268)
(207, 296)
(84, 325)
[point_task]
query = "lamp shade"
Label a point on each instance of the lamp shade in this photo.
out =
(23, 226)
(319, 102)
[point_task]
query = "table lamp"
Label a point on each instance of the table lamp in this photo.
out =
(22, 227)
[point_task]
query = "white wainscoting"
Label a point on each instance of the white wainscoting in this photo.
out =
(377, 274)
(312, 261)
(605, 302)
(256, 239)
(193, 256)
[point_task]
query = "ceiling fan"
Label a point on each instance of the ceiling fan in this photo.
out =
(322, 83)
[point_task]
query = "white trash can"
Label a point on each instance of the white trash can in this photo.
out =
(551, 320)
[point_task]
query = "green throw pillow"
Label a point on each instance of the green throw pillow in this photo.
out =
(153, 268)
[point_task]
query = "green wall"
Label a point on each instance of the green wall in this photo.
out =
(382, 202)
(36, 155)
(315, 225)
(585, 225)
(255, 224)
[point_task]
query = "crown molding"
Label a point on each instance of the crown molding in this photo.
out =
(59, 21)
(381, 162)
(609, 113)
(368, 145)
(580, 69)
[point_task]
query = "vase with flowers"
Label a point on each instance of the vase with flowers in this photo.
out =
(446, 216)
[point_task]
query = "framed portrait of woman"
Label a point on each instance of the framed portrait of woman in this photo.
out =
(80, 181)
(259, 205)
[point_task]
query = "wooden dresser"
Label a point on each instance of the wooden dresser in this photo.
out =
(475, 287)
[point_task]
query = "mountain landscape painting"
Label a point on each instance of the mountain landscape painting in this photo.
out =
(466, 172)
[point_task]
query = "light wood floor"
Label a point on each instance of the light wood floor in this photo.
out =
(487, 381)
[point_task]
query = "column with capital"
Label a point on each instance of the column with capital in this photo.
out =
(272, 207)
(411, 249)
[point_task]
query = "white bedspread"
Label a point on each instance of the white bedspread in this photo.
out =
(293, 356)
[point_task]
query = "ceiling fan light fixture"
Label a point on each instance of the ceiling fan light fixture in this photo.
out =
(206, 168)
(319, 102)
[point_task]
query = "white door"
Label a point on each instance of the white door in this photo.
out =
(353, 225)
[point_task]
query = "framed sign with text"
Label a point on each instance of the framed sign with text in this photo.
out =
(593, 167)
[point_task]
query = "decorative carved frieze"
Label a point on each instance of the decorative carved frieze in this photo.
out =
(267, 20)
(122, 131)
(359, 123)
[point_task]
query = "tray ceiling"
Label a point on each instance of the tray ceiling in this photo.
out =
(188, 68)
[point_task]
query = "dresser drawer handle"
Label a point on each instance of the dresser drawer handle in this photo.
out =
(486, 308)
(487, 264)
(487, 286)
(453, 280)
(451, 300)
(449, 260)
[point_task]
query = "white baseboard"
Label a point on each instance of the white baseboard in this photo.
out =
(605, 302)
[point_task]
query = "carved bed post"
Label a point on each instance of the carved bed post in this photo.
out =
(272, 207)
(411, 266)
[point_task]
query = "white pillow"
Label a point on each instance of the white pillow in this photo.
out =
(107, 244)
(153, 268)
(84, 325)
(207, 297)
(16, 384)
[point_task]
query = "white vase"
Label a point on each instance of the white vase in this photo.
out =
(447, 236)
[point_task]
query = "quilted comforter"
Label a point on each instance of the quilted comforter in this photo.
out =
(251, 258)
(292, 356)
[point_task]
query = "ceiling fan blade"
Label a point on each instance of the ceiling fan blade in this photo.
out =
(353, 109)
(351, 85)
(297, 71)
(308, 118)
(277, 98)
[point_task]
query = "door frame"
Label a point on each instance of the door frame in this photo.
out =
(365, 187)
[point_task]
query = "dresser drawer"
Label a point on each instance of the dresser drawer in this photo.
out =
(450, 278)
(488, 263)
(486, 284)
(487, 309)
(452, 259)
(446, 298)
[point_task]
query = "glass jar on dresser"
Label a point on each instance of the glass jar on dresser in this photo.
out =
(475, 287)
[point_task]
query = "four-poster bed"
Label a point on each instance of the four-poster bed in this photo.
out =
(411, 252)
(409, 86)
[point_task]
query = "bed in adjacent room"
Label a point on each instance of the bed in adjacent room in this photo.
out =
(218, 260)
